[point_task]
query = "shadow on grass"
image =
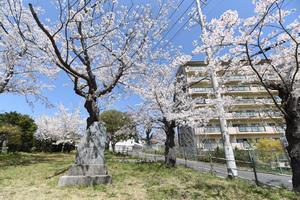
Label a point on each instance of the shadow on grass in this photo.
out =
(25, 159)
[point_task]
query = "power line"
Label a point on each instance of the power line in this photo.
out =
(181, 28)
(174, 24)
(176, 9)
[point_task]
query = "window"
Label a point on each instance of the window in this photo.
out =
(200, 78)
(197, 68)
(247, 113)
(250, 128)
(212, 129)
(235, 78)
(203, 89)
(239, 88)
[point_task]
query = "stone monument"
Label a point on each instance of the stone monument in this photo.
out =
(4, 147)
(89, 167)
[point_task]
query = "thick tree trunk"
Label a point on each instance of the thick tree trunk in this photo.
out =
(293, 136)
(170, 151)
(148, 136)
(93, 110)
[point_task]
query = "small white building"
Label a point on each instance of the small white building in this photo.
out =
(127, 146)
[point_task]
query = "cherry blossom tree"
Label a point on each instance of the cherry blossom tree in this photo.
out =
(167, 103)
(64, 127)
(264, 47)
(101, 44)
(271, 51)
(21, 65)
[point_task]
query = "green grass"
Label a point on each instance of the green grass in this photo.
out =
(24, 176)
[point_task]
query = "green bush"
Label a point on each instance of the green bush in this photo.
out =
(25, 124)
(11, 134)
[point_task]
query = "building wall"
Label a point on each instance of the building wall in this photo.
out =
(252, 116)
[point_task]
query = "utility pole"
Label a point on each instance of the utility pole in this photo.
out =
(229, 155)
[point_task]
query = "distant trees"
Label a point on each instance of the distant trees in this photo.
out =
(26, 125)
(62, 130)
(119, 126)
(19, 124)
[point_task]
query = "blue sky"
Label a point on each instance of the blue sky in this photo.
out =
(63, 92)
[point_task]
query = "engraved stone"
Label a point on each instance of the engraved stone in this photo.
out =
(89, 168)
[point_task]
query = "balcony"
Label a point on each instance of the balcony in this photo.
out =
(241, 115)
(202, 90)
(247, 89)
(198, 79)
(253, 114)
(239, 130)
(235, 78)
(256, 101)
(196, 69)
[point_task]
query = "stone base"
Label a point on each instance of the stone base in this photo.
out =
(85, 175)
(84, 180)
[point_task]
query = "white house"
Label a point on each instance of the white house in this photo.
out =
(127, 146)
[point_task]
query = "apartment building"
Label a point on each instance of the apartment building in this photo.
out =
(251, 116)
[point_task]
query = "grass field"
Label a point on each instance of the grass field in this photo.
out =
(24, 176)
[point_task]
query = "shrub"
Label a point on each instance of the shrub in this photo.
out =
(11, 134)
(24, 123)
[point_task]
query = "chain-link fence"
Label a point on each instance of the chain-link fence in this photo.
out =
(263, 160)
(249, 160)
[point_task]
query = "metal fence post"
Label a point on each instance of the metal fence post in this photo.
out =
(278, 163)
(211, 163)
(252, 160)
(185, 160)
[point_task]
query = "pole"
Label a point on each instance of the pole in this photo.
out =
(278, 163)
(229, 155)
(254, 167)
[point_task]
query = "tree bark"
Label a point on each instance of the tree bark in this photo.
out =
(63, 148)
(293, 136)
(170, 151)
(113, 146)
(92, 107)
(148, 136)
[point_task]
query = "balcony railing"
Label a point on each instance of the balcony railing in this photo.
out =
(235, 78)
(239, 130)
(238, 88)
(201, 69)
(200, 78)
(202, 90)
(251, 129)
(253, 114)
(257, 101)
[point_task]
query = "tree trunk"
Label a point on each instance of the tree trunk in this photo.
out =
(170, 152)
(293, 136)
(63, 148)
(148, 136)
(93, 110)
(113, 146)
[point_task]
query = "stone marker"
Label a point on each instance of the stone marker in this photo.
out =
(89, 167)
(4, 147)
